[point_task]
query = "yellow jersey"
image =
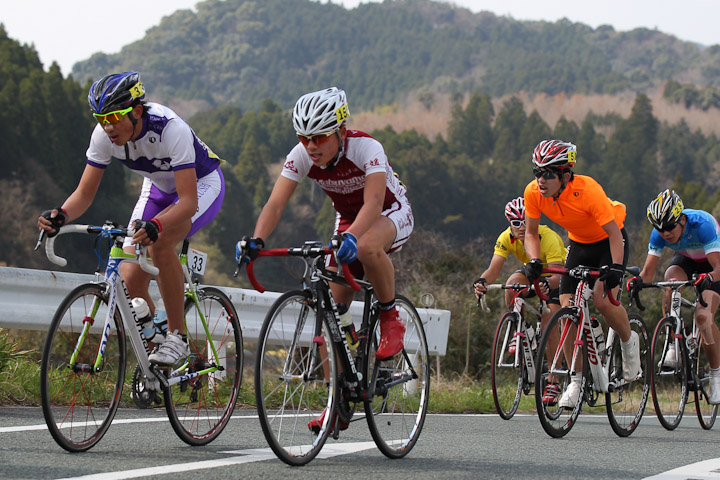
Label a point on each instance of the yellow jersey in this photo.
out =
(552, 248)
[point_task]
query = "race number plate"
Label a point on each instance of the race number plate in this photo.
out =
(197, 261)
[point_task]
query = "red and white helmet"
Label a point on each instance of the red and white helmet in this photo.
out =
(515, 209)
(555, 154)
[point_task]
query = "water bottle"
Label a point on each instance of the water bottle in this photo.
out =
(530, 335)
(142, 310)
(348, 326)
(599, 336)
(156, 331)
(690, 340)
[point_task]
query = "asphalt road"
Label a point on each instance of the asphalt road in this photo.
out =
(141, 444)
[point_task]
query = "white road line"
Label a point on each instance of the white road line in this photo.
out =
(244, 456)
(705, 470)
(27, 428)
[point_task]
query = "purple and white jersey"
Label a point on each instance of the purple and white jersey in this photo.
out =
(700, 237)
(362, 155)
(166, 143)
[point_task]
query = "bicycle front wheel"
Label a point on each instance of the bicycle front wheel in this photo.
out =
(506, 374)
(669, 379)
(399, 387)
(706, 412)
(295, 379)
(558, 419)
(80, 395)
(626, 402)
(200, 407)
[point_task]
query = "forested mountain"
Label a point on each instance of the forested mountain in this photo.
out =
(242, 51)
(240, 65)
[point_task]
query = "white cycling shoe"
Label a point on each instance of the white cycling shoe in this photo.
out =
(571, 395)
(172, 350)
(631, 357)
(714, 393)
(670, 360)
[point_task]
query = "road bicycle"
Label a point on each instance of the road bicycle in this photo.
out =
(513, 369)
(598, 368)
(675, 375)
(85, 354)
(306, 370)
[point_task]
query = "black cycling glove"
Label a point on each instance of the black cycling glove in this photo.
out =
(612, 275)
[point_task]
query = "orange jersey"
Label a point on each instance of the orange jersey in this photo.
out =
(581, 209)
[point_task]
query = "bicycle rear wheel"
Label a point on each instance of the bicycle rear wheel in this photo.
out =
(669, 382)
(295, 379)
(200, 407)
(626, 402)
(400, 387)
(506, 376)
(557, 421)
(706, 412)
(79, 401)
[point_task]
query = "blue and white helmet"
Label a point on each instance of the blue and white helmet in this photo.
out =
(115, 92)
(320, 112)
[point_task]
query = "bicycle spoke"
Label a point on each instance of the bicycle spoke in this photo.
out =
(79, 404)
(506, 372)
(626, 402)
(669, 380)
(292, 387)
(706, 412)
(396, 412)
(199, 408)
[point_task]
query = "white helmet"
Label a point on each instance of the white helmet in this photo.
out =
(320, 112)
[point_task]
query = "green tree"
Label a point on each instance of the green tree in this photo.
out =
(630, 163)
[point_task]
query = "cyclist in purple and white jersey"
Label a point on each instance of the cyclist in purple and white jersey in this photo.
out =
(182, 191)
(694, 235)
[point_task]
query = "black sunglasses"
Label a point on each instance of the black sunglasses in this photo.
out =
(667, 228)
(546, 174)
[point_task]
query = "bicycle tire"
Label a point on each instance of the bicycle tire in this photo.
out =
(79, 404)
(289, 390)
(555, 420)
(506, 377)
(626, 402)
(669, 385)
(200, 408)
(396, 414)
(706, 412)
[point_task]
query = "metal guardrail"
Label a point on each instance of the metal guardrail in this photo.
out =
(29, 298)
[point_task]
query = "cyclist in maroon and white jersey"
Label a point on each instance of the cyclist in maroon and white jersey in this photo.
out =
(373, 215)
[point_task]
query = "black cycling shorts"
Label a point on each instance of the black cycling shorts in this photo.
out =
(590, 255)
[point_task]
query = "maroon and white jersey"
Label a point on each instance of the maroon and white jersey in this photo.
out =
(344, 183)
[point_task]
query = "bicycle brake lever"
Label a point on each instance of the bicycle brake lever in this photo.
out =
(39, 240)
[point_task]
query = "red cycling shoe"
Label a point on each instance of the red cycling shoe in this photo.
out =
(316, 423)
(392, 331)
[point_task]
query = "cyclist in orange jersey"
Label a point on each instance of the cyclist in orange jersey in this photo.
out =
(597, 239)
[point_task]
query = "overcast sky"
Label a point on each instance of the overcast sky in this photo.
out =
(72, 30)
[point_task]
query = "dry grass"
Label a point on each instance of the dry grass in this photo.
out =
(411, 114)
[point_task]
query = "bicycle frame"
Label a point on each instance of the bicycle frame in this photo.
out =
(599, 365)
(114, 283)
(317, 279)
(676, 303)
(528, 356)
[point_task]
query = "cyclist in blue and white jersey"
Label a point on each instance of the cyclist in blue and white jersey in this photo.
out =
(182, 191)
(694, 235)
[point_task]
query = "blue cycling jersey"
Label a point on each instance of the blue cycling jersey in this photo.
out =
(700, 237)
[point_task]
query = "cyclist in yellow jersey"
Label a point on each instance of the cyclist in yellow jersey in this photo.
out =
(552, 253)
(597, 239)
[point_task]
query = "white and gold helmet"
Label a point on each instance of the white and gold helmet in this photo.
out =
(320, 112)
